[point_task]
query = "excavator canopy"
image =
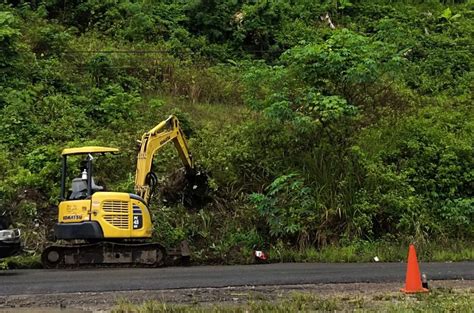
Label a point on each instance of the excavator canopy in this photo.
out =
(87, 150)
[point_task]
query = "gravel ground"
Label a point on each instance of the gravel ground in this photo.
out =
(104, 301)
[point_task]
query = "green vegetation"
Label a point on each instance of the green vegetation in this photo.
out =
(440, 300)
(323, 143)
(364, 251)
(21, 262)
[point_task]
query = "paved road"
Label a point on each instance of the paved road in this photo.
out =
(58, 281)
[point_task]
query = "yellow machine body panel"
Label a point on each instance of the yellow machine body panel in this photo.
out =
(118, 214)
(88, 149)
(74, 211)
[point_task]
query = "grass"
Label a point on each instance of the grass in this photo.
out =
(363, 251)
(439, 300)
(358, 251)
(21, 262)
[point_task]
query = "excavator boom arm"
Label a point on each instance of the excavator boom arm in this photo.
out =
(153, 140)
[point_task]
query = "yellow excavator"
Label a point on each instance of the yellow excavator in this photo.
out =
(113, 228)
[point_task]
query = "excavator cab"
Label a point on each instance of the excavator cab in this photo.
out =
(83, 186)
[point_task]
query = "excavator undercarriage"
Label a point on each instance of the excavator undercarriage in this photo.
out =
(113, 254)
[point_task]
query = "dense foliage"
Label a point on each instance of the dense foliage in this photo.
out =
(320, 123)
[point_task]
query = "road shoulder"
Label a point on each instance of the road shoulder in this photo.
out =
(97, 301)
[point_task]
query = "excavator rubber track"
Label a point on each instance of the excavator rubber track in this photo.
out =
(104, 254)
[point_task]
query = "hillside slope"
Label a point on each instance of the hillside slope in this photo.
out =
(322, 124)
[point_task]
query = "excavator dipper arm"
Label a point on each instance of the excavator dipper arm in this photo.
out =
(153, 140)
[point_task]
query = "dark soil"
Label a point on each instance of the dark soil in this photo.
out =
(189, 188)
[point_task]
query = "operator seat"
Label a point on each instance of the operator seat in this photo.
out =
(79, 188)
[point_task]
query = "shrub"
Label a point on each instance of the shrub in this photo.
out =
(290, 209)
(419, 173)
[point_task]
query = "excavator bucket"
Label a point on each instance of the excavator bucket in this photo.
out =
(190, 188)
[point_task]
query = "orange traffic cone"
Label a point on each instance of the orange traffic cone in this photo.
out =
(413, 279)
